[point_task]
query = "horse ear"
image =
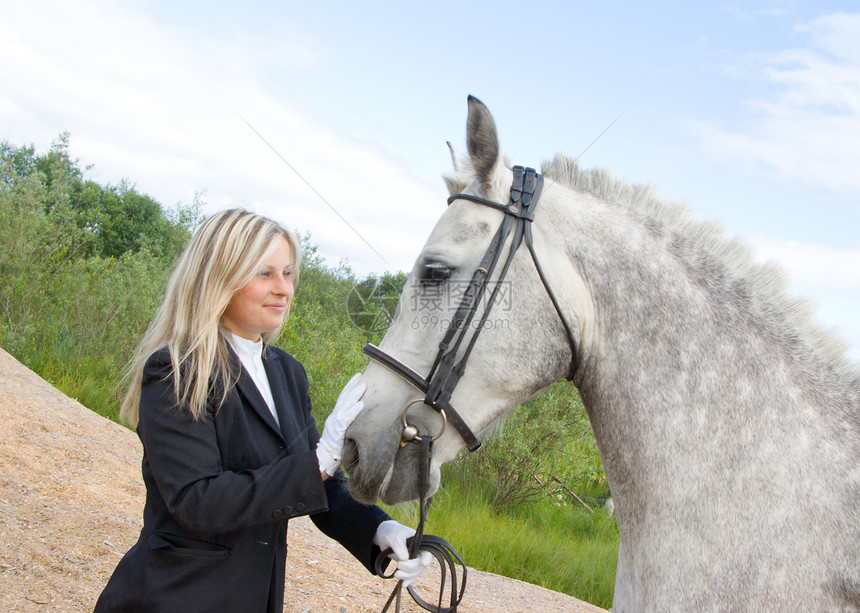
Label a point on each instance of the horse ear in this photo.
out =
(461, 163)
(482, 143)
(458, 180)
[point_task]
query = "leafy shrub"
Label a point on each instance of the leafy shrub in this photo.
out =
(544, 449)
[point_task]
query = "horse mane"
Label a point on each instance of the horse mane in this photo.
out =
(764, 287)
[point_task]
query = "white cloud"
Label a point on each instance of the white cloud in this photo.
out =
(809, 128)
(161, 105)
(822, 272)
(778, 8)
(805, 128)
(812, 266)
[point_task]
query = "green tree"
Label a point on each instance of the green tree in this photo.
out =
(121, 220)
(66, 243)
(38, 233)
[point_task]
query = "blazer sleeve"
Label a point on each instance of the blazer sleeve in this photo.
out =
(350, 522)
(347, 521)
(185, 462)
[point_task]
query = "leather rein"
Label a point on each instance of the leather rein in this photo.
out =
(439, 548)
(447, 369)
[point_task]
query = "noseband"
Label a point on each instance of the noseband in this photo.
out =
(447, 369)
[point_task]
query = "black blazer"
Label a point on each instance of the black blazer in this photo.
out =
(219, 493)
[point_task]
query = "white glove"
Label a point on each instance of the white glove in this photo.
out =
(346, 409)
(409, 570)
(391, 534)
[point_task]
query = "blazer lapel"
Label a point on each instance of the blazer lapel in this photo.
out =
(249, 391)
(278, 382)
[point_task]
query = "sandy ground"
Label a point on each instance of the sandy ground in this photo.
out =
(71, 500)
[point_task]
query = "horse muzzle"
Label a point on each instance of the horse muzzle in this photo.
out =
(385, 465)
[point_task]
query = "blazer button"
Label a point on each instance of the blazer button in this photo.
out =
(278, 514)
(300, 507)
(287, 510)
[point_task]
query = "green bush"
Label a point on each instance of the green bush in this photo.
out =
(544, 449)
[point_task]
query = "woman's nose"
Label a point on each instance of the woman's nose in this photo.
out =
(284, 286)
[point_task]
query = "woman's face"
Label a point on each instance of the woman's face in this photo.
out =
(263, 303)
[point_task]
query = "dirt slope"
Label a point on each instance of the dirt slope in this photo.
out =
(71, 500)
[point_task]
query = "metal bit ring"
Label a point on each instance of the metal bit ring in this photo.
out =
(410, 432)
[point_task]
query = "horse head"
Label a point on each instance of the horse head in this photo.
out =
(515, 340)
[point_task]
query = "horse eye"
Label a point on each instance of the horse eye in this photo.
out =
(436, 274)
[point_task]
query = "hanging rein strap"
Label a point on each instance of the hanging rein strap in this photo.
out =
(439, 548)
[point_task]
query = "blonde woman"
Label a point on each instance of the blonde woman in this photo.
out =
(231, 451)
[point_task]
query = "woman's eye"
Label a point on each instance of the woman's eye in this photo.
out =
(436, 274)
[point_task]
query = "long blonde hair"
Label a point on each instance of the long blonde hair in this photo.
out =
(221, 258)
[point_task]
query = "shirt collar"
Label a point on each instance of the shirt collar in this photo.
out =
(245, 349)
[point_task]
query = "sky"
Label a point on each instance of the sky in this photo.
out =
(335, 120)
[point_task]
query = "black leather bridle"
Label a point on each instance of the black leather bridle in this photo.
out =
(447, 369)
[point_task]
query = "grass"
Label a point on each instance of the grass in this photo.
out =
(89, 381)
(562, 548)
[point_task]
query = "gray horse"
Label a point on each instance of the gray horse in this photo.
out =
(727, 420)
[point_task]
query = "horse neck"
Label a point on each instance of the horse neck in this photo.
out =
(678, 350)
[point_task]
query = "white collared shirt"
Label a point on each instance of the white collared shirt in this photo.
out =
(251, 356)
